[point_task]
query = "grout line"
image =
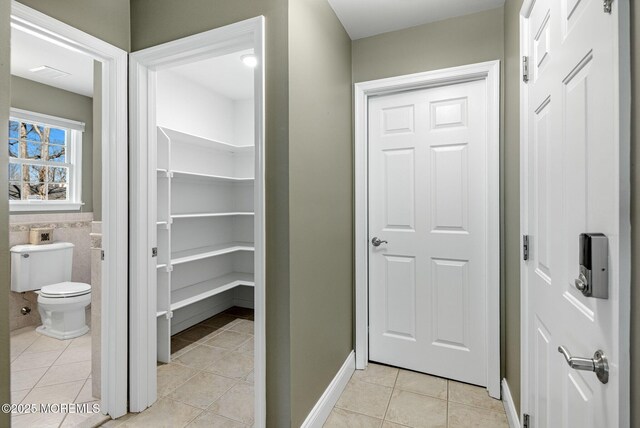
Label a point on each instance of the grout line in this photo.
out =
(447, 415)
(188, 404)
(183, 383)
(478, 407)
(393, 389)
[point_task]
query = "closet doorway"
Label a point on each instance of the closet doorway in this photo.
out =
(197, 237)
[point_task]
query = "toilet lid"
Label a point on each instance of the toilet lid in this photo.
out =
(65, 289)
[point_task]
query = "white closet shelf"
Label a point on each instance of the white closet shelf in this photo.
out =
(200, 215)
(194, 254)
(182, 137)
(209, 177)
(188, 295)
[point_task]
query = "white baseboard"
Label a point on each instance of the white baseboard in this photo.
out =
(243, 303)
(320, 412)
(190, 318)
(509, 406)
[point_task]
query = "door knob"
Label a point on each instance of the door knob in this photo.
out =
(581, 283)
(598, 364)
(376, 242)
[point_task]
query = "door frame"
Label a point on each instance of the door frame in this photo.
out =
(623, 130)
(142, 75)
(490, 73)
(115, 198)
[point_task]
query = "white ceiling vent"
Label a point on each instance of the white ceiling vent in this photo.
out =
(49, 72)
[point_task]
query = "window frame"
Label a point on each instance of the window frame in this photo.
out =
(74, 130)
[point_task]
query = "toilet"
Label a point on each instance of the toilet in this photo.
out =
(46, 269)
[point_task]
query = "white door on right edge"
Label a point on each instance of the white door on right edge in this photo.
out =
(571, 186)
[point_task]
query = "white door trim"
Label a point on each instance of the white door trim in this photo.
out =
(114, 192)
(490, 72)
(143, 67)
(623, 130)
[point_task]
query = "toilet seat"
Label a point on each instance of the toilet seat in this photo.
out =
(65, 290)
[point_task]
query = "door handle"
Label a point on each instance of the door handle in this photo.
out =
(598, 364)
(376, 242)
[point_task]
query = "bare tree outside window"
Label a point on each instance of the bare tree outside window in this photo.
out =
(38, 165)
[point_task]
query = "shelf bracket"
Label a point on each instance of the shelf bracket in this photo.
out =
(169, 315)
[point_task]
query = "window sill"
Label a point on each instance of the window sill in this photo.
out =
(21, 206)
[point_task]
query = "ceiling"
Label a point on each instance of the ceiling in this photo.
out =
(225, 75)
(29, 51)
(364, 18)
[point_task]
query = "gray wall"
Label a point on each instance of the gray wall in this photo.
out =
(321, 201)
(5, 100)
(39, 98)
(106, 19)
(158, 21)
(465, 40)
(511, 201)
(635, 216)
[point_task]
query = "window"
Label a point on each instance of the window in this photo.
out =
(45, 162)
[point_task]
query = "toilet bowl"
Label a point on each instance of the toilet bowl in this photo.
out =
(62, 309)
(46, 269)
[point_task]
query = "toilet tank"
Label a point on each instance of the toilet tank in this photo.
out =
(34, 266)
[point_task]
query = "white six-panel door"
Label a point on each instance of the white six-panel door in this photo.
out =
(428, 198)
(571, 185)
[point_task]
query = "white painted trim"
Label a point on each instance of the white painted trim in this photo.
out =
(321, 411)
(143, 67)
(623, 105)
(524, 218)
(30, 206)
(114, 192)
(509, 406)
(490, 72)
(35, 117)
(622, 99)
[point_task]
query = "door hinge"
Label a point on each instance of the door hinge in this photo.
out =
(525, 69)
(102, 255)
(525, 421)
(154, 252)
(525, 247)
(607, 6)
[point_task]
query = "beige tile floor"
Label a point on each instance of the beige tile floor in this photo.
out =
(209, 382)
(52, 371)
(388, 397)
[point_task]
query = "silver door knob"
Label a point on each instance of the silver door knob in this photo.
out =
(581, 283)
(598, 364)
(376, 242)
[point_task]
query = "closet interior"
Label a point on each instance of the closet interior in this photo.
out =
(205, 165)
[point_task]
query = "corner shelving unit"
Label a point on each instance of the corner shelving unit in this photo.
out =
(204, 224)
